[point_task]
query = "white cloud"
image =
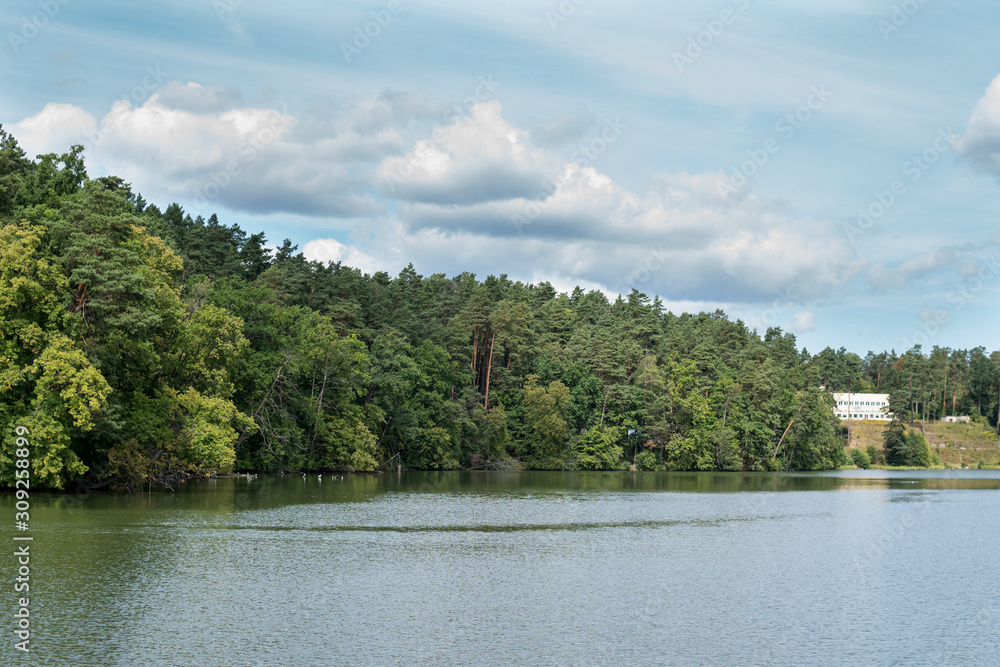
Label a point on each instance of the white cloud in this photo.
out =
(470, 183)
(475, 159)
(803, 322)
(53, 129)
(981, 141)
(247, 159)
(331, 250)
(680, 239)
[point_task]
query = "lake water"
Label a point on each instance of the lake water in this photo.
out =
(857, 567)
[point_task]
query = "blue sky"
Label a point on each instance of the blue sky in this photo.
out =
(715, 153)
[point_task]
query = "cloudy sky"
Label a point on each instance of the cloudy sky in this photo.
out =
(831, 167)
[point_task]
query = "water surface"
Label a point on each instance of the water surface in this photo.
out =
(857, 567)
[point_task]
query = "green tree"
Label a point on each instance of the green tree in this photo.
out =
(546, 435)
(598, 448)
(861, 459)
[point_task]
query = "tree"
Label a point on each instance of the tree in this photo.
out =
(896, 447)
(861, 459)
(598, 448)
(546, 435)
(48, 384)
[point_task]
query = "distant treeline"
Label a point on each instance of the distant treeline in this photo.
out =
(140, 344)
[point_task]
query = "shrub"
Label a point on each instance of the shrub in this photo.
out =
(861, 459)
(876, 455)
(646, 460)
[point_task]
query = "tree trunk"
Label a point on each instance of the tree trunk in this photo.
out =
(923, 422)
(475, 349)
(246, 431)
(911, 401)
(944, 393)
(933, 397)
(381, 437)
(489, 368)
(786, 432)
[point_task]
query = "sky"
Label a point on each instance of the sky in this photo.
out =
(831, 168)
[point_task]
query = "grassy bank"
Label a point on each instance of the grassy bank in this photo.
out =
(955, 445)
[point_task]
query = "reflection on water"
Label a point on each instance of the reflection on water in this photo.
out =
(869, 567)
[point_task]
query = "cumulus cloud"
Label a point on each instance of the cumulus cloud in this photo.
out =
(479, 194)
(479, 158)
(190, 144)
(883, 278)
(53, 129)
(680, 238)
(981, 141)
(332, 250)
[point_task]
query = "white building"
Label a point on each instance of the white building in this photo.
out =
(955, 419)
(862, 406)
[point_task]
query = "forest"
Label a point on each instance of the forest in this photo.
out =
(140, 345)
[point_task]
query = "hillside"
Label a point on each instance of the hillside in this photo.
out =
(954, 444)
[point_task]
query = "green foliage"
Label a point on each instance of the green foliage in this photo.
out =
(546, 435)
(896, 448)
(919, 451)
(598, 448)
(861, 459)
(906, 447)
(47, 383)
(432, 449)
(812, 441)
(876, 456)
(646, 460)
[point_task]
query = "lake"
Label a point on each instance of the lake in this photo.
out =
(852, 567)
